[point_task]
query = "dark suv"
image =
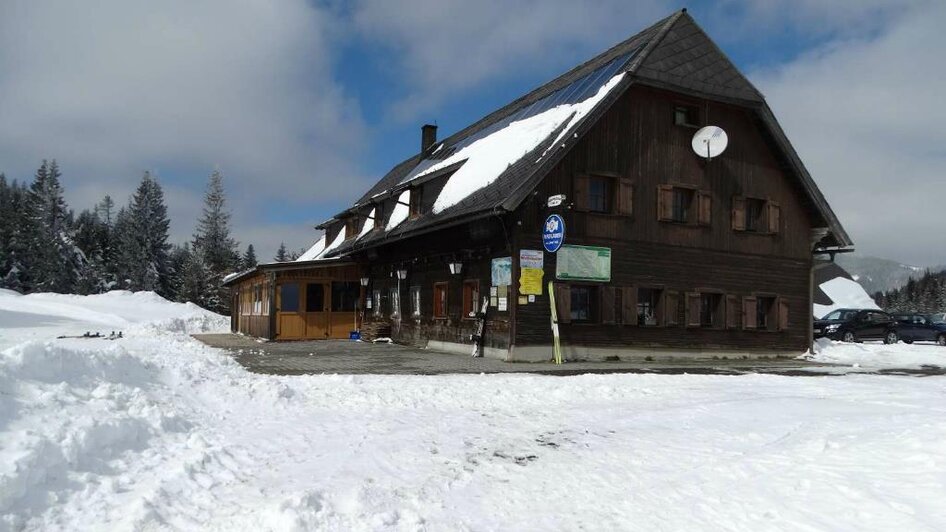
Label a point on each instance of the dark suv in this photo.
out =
(921, 328)
(855, 325)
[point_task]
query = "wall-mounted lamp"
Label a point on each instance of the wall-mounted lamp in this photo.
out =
(364, 281)
(455, 267)
(402, 274)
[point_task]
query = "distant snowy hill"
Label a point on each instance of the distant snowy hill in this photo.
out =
(877, 274)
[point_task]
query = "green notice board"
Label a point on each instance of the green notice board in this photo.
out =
(583, 263)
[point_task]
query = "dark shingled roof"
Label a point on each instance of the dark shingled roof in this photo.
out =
(674, 54)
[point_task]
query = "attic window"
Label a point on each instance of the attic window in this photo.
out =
(686, 115)
(415, 202)
(351, 227)
(378, 215)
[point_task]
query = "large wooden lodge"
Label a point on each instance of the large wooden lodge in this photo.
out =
(666, 253)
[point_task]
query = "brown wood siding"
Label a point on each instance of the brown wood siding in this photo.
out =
(638, 141)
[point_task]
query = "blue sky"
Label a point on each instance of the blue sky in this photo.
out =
(303, 104)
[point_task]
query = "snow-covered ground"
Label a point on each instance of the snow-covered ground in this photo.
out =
(156, 431)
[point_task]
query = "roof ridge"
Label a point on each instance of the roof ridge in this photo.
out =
(667, 23)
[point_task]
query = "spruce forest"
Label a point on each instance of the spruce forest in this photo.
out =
(46, 247)
(926, 295)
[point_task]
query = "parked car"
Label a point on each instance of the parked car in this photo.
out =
(921, 328)
(856, 325)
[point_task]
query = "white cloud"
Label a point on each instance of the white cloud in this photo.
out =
(449, 46)
(113, 87)
(866, 117)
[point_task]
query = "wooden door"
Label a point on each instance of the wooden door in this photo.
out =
(317, 311)
(290, 319)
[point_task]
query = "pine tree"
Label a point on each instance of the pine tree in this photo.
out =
(194, 282)
(140, 257)
(212, 241)
(54, 260)
(249, 258)
(6, 223)
(281, 255)
(13, 273)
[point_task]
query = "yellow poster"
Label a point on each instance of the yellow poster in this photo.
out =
(530, 281)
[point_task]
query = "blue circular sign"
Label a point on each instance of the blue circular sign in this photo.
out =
(553, 234)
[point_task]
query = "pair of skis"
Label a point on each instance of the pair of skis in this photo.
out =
(477, 336)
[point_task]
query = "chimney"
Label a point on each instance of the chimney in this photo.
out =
(428, 137)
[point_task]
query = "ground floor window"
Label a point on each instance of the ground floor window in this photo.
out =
(471, 296)
(440, 300)
(766, 313)
(648, 306)
(582, 298)
(376, 303)
(710, 310)
(257, 299)
(345, 295)
(315, 297)
(289, 297)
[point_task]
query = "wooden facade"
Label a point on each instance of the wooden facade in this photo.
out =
(707, 257)
(288, 301)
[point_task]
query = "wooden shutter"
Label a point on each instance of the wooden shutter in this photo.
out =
(774, 216)
(704, 203)
(693, 309)
(563, 302)
(607, 305)
(671, 307)
(664, 202)
(732, 312)
(738, 213)
(629, 310)
(749, 313)
(782, 314)
(625, 197)
(581, 193)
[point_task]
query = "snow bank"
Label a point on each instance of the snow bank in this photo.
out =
(401, 210)
(872, 356)
(844, 293)
(313, 252)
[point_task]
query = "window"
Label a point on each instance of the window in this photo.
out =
(289, 297)
(314, 297)
(682, 201)
(395, 302)
(648, 306)
(765, 313)
(755, 215)
(376, 303)
(378, 215)
(258, 299)
(685, 115)
(581, 303)
(345, 295)
(440, 300)
(599, 194)
(710, 310)
(415, 301)
(471, 298)
(415, 202)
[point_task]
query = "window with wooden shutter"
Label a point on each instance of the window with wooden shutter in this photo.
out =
(581, 193)
(749, 314)
(671, 312)
(649, 306)
(738, 213)
(774, 217)
(732, 312)
(782, 314)
(664, 203)
(693, 309)
(704, 208)
(563, 303)
(607, 305)
(629, 312)
(625, 197)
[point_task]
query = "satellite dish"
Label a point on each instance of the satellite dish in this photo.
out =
(710, 141)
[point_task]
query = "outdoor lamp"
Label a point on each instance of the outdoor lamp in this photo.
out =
(364, 281)
(455, 267)
(402, 274)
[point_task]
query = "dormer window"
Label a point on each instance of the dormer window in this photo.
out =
(378, 215)
(351, 227)
(415, 202)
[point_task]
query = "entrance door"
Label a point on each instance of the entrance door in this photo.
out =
(290, 320)
(317, 312)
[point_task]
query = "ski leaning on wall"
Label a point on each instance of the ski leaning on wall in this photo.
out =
(477, 337)
(556, 343)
